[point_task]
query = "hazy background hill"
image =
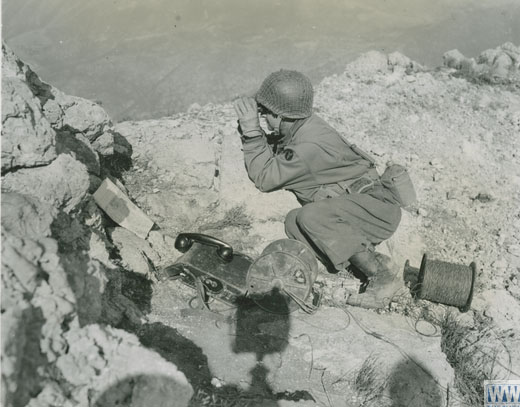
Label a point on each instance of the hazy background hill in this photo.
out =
(152, 58)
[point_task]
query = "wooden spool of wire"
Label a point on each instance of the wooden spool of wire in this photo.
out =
(445, 283)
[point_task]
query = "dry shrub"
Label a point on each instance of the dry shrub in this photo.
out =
(234, 217)
(368, 384)
(225, 397)
(464, 349)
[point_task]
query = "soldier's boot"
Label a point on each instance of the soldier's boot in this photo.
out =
(381, 284)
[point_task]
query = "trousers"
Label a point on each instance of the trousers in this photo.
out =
(337, 228)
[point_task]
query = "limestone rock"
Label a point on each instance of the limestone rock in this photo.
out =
(50, 396)
(38, 301)
(164, 245)
(79, 147)
(62, 184)
(104, 144)
(488, 56)
(498, 64)
(87, 279)
(21, 325)
(110, 143)
(99, 245)
(86, 265)
(98, 250)
(136, 254)
(93, 217)
(453, 59)
(368, 64)
(397, 60)
(11, 65)
(83, 116)
(64, 112)
(502, 65)
(27, 137)
(26, 216)
(54, 113)
(506, 56)
(109, 367)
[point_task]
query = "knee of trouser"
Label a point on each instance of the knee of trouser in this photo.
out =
(290, 222)
(308, 218)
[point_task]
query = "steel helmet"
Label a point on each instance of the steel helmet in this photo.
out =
(288, 94)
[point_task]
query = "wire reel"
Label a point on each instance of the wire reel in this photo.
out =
(285, 266)
(443, 282)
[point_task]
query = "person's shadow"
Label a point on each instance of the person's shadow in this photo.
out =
(256, 331)
(412, 384)
(262, 326)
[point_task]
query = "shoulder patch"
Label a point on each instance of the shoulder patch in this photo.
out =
(288, 154)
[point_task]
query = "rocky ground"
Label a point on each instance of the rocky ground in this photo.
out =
(82, 295)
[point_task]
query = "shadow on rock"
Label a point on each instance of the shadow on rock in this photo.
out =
(175, 348)
(141, 391)
(103, 295)
(256, 331)
(411, 384)
(83, 275)
(121, 298)
(29, 380)
(262, 327)
(121, 159)
(39, 89)
(79, 147)
(138, 288)
(190, 359)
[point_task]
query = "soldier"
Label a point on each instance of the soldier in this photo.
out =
(346, 210)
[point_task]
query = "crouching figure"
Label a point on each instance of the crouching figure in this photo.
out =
(346, 210)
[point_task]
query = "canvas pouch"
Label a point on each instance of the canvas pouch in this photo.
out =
(397, 180)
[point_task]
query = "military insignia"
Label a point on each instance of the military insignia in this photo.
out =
(288, 154)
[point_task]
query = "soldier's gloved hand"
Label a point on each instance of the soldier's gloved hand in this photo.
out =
(247, 112)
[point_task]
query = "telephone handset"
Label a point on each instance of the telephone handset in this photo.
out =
(184, 241)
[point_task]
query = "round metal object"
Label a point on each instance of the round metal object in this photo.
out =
(285, 266)
(213, 285)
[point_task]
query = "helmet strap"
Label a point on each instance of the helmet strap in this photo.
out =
(285, 125)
